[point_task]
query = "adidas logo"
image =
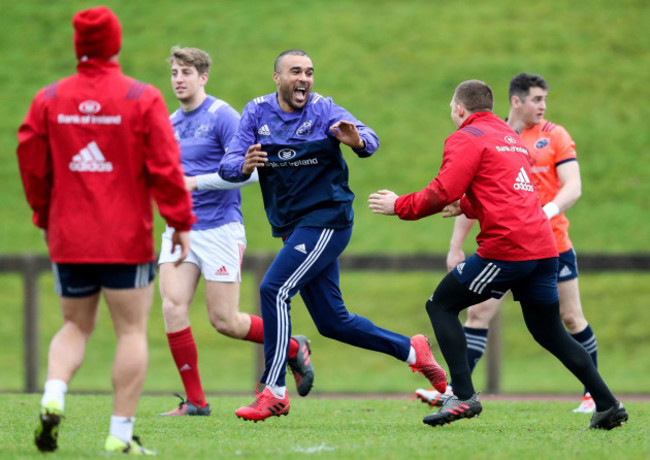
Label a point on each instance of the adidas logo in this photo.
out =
(264, 131)
(301, 248)
(222, 271)
(523, 182)
(305, 354)
(460, 267)
(185, 367)
(90, 159)
(566, 271)
(277, 408)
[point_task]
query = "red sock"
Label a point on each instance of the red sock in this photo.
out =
(185, 356)
(256, 334)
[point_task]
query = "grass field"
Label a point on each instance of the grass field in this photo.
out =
(335, 429)
(616, 305)
(394, 65)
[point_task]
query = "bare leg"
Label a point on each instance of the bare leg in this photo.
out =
(222, 303)
(129, 310)
(480, 315)
(68, 346)
(177, 288)
(570, 306)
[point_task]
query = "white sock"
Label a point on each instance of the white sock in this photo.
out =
(122, 428)
(411, 357)
(277, 391)
(55, 390)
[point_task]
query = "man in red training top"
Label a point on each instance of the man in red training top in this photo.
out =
(556, 176)
(94, 151)
(485, 174)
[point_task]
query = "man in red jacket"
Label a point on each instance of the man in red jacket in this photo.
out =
(94, 150)
(485, 174)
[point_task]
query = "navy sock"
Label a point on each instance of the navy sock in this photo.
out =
(476, 344)
(587, 339)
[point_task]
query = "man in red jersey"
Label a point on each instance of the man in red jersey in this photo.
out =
(556, 176)
(485, 174)
(94, 150)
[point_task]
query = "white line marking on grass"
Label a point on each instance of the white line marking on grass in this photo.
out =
(314, 450)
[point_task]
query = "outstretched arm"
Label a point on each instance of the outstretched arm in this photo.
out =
(352, 132)
(215, 182)
(382, 202)
(255, 158)
(347, 133)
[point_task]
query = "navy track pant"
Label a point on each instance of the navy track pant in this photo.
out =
(308, 263)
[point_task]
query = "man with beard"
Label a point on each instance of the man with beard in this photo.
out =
(292, 137)
(203, 126)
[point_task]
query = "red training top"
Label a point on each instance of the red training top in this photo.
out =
(487, 161)
(95, 149)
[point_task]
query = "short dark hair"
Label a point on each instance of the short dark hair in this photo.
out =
(475, 96)
(521, 83)
(294, 52)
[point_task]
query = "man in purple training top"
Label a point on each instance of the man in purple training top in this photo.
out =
(203, 126)
(292, 137)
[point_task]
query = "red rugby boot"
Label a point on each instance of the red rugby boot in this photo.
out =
(426, 364)
(264, 406)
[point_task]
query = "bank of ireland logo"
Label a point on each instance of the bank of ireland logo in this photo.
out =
(510, 140)
(89, 107)
(286, 154)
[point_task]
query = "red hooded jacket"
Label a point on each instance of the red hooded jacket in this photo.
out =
(94, 152)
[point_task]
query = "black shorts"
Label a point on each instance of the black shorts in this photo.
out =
(83, 280)
(530, 280)
(568, 268)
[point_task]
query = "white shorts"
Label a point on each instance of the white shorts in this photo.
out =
(218, 252)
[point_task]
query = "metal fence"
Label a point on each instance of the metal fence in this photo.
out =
(31, 266)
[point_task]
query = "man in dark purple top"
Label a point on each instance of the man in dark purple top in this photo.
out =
(203, 126)
(292, 138)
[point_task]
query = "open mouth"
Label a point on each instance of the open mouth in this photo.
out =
(300, 93)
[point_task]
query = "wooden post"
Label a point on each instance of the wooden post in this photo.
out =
(259, 266)
(260, 362)
(31, 335)
(493, 355)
